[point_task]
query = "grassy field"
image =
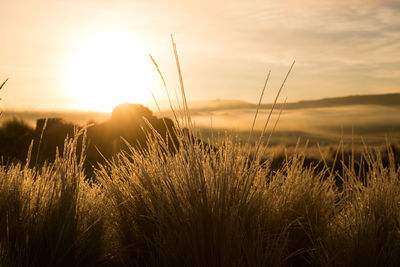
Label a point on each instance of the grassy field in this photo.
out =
(200, 208)
(236, 205)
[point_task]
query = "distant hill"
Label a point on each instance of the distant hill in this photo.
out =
(379, 99)
(200, 107)
(382, 100)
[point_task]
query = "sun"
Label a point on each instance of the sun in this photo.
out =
(106, 69)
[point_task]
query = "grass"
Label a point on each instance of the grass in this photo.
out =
(200, 207)
(46, 215)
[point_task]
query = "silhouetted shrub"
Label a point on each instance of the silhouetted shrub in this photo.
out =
(49, 135)
(15, 137)
(129, 124)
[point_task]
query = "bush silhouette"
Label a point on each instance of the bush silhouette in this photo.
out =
(15, 137)
(50, 134)
(130, 123)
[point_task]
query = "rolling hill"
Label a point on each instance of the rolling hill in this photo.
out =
(392, 99)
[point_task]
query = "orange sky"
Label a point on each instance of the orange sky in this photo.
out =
(90, 54)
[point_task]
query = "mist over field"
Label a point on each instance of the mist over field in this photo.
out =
(367, 121)
(374, 118)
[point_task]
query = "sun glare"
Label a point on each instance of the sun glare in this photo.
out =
(106, 69)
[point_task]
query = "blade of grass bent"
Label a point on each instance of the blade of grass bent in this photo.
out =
(165, 87)
(276, 122)
(259, 106)
(184, 100)
(5, 81)
(272, 109)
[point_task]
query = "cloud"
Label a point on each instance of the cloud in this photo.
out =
(321, 33)
(340, 46)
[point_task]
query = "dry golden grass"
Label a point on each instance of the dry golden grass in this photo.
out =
(200, 207)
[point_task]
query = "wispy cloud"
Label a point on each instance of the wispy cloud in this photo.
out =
(341, 47)
(328, 39)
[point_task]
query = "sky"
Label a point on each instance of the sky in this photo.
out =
(93, 54)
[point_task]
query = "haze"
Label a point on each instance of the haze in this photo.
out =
(90, 55)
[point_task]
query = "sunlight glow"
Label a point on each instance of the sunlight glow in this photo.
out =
(106, 69)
